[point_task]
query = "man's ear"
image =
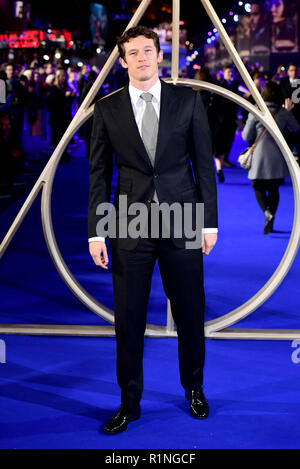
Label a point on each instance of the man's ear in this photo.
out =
(123, 62)
(160, 57)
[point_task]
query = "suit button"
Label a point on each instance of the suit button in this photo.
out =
(155, 175)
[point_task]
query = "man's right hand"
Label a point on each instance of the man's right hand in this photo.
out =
(98, 252)
(288, 104)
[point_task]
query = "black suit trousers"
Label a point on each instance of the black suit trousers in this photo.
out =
(182, 277)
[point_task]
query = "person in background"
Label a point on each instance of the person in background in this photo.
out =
(11, 78)
(16, 96)
(259, 82)
(83, 78)
(59, 104)
(289, 86)
(260, 32)
(11, 158)
(34, 104)
(88, 125)
(268, 167)
(49, 69)
(225, 123)
(284, 26)
(280, 73)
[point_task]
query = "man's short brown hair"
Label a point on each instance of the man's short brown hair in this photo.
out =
(135, 32)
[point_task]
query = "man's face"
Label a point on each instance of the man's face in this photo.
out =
(85, 69)
(141, 58)
(254, 16)
(228, 74)
(292, 72)
(9, 72)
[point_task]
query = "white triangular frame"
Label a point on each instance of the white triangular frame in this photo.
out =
(217, 328)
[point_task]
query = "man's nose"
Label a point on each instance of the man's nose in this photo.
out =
(141, 56)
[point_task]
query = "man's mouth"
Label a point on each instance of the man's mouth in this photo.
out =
(142, 67)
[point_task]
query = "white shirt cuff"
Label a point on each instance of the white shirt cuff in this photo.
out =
(209, 230)
(97, 238)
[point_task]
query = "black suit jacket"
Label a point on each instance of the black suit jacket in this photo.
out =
(286, 87)
(183, 138)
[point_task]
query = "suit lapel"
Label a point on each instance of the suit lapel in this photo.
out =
(169, 108)
(123, 113)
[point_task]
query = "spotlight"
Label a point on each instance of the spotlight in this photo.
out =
(58, 55)
(236, 18)
(46, 57)
(247, 7)
(241, 4)
(223, 20)
(79, 64)
(66, 61)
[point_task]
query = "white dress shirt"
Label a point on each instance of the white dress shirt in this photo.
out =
(294, 82)
(139, 106)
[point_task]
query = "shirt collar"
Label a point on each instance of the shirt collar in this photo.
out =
(135, 92)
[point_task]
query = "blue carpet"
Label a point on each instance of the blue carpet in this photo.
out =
(56, 392)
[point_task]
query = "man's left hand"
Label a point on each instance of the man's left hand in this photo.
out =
(208, 242)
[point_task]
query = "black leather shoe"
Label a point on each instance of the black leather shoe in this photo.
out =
(198, 405)
(119, 422)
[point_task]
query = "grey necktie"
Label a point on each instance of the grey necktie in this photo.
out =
(150, 130)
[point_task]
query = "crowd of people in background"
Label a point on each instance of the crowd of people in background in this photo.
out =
(226, 117)
(48, 96)
(268, 170)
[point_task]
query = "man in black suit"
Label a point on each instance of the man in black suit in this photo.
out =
(153, 173)
(290, 85)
